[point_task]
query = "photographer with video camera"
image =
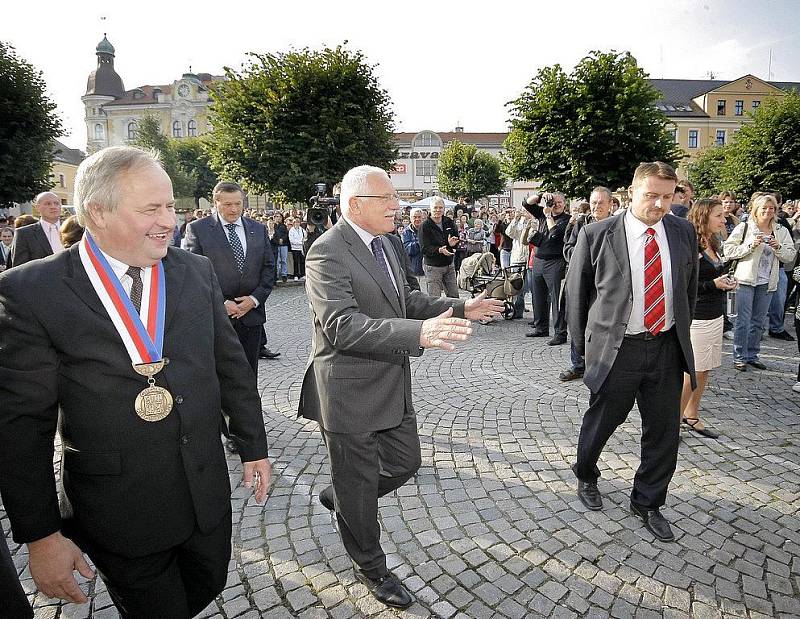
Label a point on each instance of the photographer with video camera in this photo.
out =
(549, 266)
(320, 214)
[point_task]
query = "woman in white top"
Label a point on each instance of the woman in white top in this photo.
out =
(297, 237)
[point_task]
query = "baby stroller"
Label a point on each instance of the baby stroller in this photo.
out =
(477, 274)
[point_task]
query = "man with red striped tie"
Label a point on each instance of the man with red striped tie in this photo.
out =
(631, 290)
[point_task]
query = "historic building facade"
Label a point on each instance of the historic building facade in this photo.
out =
(65, 165)
(113, 113)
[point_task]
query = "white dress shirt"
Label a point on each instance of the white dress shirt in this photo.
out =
(121, 271)
(367, 238)
(53, 234)
(636, 235)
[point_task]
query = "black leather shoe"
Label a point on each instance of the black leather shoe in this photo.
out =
(590, 495)
(387, 590)
(266, 353)
(654, 522)
(757, 365)
(740, 365)
(558, 340)
(570, 374)
(781, 335)
(537, 334)
(326, 499)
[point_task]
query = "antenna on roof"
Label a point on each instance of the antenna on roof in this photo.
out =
(711, 75)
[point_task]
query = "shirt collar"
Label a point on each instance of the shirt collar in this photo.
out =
(119, 267)
(365, 236)
(46, 225)
(238, 223)
(638, 228)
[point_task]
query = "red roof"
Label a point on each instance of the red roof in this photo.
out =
(461, 136)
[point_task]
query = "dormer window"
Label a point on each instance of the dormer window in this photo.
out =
(427, 138)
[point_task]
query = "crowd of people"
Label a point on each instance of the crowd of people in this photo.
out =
(643, 289)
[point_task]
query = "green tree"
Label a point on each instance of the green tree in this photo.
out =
(290, 120)
(28, 126)
(149, 135)
(765, 154)
(466, 171)
(705, 171)
(591, 126)
(195, 160)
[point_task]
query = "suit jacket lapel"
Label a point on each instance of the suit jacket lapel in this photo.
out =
(173, 273)
(394, 265)
(42, 238)
(79, 283)
(251, 253)
(619, 247)
(674, 242)
(221, 234)
(367, 260)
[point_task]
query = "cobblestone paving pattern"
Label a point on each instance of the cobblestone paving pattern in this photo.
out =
(491, 527)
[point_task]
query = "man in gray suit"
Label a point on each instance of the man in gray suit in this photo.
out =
(357, 385)
(631, 289)
(43, 238)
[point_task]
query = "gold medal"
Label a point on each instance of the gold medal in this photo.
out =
(153, 403)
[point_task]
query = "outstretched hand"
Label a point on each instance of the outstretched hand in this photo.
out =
(481, 308)
(440, 331)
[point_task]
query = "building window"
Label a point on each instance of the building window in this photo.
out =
(756, 104)
(674, 132)
(427, 167)
(176, 129)
(191, 129)
(720, 137)
(98, 131)
(693, 138)
(132, 130)
(427, 138)
(62, 182)
(739, 107)
(720, 107)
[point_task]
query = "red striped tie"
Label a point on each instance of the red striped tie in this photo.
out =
(654, 303)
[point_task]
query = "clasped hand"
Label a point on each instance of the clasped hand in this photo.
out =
(239, 306)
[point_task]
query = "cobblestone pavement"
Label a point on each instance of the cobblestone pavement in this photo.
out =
(492, 527)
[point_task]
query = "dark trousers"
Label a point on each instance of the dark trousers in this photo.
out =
(797, 333)
(546, 286)
(298, 263)
(365, 467)
(13, 597)
(250, 337)
(648, 373)
(175, 584)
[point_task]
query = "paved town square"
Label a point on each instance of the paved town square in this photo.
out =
(491, 527)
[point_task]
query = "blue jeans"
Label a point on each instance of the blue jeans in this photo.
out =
(777, 310)
(577, 361)
(752, 303)
(280, 265)
(519, 302)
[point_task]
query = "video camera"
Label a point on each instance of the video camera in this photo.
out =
(321, 207)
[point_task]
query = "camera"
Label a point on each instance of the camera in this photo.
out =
(320, 207)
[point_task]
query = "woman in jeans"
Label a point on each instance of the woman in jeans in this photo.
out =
(280, 240)
(708, 219)
(760, 246)
(297, 236)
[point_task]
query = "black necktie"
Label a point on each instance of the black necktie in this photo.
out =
(135, 273)
(236, 246)
(380, 258)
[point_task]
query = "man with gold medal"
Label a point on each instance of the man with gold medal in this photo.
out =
(124, 343)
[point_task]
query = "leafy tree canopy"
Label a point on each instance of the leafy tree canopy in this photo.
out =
(466, 171)
(149, 135)
(591, 126)
(705, 171)
(290, 120)
(28, 126)
(195, 160)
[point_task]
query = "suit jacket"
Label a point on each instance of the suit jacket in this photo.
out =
(208, 237)
(358, 376)
(30, 243)
(600, 295)
(133, 487)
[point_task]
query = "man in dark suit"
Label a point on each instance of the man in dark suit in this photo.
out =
(43, 238)
(631, 289)
(240, 250)
(144, 487)
(357, 384)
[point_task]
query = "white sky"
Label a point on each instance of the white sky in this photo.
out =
(442, 62)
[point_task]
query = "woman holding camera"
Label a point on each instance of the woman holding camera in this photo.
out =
(759, 246)
(708, 219)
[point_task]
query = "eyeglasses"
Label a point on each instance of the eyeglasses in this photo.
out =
(389, 197)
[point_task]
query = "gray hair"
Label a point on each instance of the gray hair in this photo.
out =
(43, 194)
(416, 211)
(601, 189)
(98, 176)
(437, 200)
(356, 182)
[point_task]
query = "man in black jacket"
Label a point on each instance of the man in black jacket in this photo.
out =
(549, 265)
(438, 238)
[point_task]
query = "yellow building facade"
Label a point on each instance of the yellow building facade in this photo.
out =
(65, 165)
(112, 113)
(708, 113)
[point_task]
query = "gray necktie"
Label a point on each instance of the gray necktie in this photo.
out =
(135, 273)
(380, 257)
(236, 246)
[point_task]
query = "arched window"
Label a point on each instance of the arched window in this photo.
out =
(427, 138)
(98, 131)
(191, 129)
(176, 129)
(132, 130)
